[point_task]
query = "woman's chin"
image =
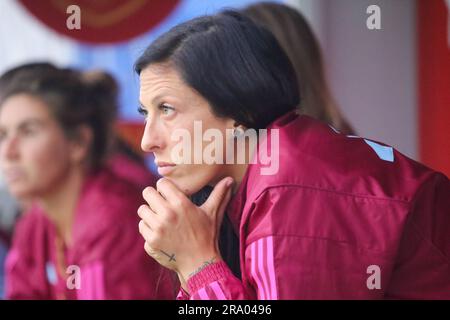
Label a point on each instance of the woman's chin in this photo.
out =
(185, 185)
(21, 192)
(192, 181)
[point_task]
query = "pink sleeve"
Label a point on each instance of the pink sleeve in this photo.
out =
(182, 295)
(215, 282)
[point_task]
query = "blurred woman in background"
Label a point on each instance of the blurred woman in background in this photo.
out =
(297, 39)
(57, 150)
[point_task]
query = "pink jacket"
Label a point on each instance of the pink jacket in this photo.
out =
(344, 218)
(107, 246)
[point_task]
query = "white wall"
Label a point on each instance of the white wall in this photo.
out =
(24, 38)
(372, 73)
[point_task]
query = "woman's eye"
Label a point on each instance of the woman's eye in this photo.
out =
(166, 109)
(142, 111)
(29, 131)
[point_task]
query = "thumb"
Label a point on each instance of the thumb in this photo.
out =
(217, 197)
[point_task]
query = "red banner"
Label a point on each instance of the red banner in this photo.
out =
(102, 21)
(434, 83)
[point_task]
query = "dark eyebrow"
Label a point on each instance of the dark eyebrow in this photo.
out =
(154, 102)
(31, 122)
(26, 123)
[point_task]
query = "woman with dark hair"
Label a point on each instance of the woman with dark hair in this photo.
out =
(321, 215)
(297, 39)
(57, 150)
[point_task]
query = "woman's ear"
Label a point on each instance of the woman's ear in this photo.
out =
(238, 130)
(239, 125)
(81, 145)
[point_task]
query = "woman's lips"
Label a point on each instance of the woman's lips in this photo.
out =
(12, 175)
(165, 168)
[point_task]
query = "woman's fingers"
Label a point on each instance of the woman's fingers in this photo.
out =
(149, 217)
(170, 191)
(171, 223)
(145, 231)
(155, 200)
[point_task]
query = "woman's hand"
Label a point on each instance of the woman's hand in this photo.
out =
(178, 234)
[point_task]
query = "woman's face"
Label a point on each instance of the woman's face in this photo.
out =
(169, 104)
(35, 155)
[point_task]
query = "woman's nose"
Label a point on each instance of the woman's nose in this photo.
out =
(152, 139)
(9, 148)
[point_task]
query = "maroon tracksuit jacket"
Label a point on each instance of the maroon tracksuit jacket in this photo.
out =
(343, 218)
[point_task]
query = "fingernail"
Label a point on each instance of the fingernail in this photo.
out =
(229, 182)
